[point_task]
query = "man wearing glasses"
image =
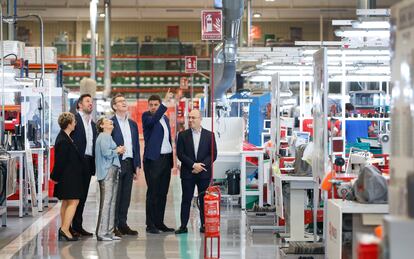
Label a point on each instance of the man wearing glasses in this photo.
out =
(195, 148)
(158, 161)
(125, 133)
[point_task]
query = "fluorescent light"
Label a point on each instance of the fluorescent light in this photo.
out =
(358, 33)
(361, 78)
(102, 15)
(341, 22)
(371, 24)
(257, 15)
(260, 79)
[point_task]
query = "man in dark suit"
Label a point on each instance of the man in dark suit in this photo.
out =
(195, 148)
(125, 133)
(84, 137)
(158, 162)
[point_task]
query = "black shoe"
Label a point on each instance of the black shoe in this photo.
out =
(164, 228)
(181, 230)
(73, 232)
(63, 237)
(127, 231)
(152, 230)
(117, 232)
(202, 229)
(83, 233)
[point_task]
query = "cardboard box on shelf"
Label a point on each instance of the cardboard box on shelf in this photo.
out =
(14, 47)
(30, 54)
(50, 55)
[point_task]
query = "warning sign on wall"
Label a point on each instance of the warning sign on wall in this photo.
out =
(211, 25)
(190, 64)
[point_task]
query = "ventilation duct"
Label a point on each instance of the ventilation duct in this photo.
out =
(227, 52)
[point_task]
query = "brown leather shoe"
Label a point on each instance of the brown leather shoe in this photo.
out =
(127, 231)
(117, 232)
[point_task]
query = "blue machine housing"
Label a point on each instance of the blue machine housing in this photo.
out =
(257, 114)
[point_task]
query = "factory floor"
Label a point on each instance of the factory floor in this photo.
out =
(37, 237)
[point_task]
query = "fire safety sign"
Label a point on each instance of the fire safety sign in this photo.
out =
(211, 25)
(190, 64)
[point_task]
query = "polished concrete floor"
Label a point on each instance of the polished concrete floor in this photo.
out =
(37, 237)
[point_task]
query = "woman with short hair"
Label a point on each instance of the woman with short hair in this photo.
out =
(67, 174)
(107, 174)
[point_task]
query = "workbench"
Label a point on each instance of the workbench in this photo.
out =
(298, 186)
(364, 218)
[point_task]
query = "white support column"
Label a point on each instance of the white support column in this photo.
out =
(79, 33)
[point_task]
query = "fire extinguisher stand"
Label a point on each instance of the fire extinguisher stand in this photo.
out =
(212, 220)
(212, 196)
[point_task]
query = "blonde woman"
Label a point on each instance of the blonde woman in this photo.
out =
(107, 173)
(67, 173)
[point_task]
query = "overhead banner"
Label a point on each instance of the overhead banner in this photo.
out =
(211, 25)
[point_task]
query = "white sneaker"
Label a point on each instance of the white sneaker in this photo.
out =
(116, 238)
(103, 238)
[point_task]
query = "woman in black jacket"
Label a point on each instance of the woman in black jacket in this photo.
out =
(67, 172)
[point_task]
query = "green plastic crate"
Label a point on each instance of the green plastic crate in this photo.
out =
(159, 65)
(251, 200)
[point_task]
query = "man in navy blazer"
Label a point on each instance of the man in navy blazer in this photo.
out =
(158, 161)
(125, 133)
(84, 137)
(197, 150)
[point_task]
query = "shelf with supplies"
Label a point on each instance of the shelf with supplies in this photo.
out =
(134, 63)
(149, 89)
(135, 71)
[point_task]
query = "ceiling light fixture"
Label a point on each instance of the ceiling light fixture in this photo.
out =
(102, 15)
(257, 15)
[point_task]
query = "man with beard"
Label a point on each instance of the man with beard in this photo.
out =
(158, 161)
(84, 137)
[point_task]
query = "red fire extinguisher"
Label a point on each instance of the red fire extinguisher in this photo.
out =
(212, 219)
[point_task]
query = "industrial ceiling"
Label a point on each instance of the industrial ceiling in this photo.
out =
(277, 10)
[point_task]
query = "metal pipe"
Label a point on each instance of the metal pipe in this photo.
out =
(2, 126)
(107, 47)
(321, 28)
(249, 23)
(366, 4)
(93, 9)
(10, 31)
(232, 12)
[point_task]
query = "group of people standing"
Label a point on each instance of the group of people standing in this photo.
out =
(110, 148)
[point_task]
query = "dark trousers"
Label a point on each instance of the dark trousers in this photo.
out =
(126, 177)
(157, 176)
(188, 186)
(86, 180)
